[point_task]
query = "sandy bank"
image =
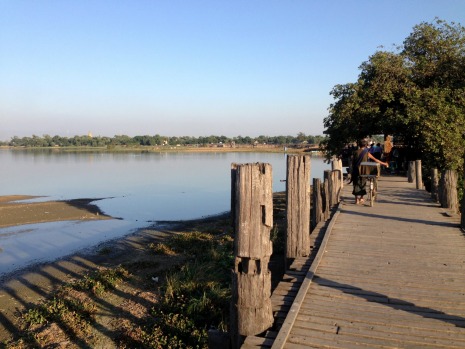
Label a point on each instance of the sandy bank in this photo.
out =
(14, 211)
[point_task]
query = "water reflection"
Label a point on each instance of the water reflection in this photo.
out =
(143, 186)
(138, 187)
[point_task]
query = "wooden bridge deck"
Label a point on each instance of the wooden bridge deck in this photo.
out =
(388, 276)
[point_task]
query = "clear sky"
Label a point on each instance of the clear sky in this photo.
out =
(190, 67)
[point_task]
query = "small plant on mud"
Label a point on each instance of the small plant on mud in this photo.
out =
(35, 316)
(161, 248)
(192, 243)
(101, 281)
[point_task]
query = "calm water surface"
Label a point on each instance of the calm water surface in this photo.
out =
(139, 188)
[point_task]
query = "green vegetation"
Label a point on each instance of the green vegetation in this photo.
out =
(156, 140)
(416, 93)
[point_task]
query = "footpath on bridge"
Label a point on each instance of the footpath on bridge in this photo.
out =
(387, 276)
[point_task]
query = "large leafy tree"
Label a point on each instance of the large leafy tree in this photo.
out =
(416, 93)
(375, 104)
(436, 53)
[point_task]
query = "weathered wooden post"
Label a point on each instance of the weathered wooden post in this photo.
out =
(462, 221)
(317, 204)
(328, 175)
(411, 171)
(298, 206)
(419, 180)
(334, 186)
(336, 165)
(325, 192)
(434, 184)
(448, 186)
(252, 205)
(337, 186)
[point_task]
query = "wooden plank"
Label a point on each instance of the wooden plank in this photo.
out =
(257, 342)
(394, 292)
(324, 297)
(286, 286)
(388, 316)
(284, 293)
(406, 330)
(331, 341)
(354, 341)
(377, 284)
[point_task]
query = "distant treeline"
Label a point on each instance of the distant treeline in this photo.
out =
(157, 140)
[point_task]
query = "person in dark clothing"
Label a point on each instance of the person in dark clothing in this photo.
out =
(376, 150)
(359, 183)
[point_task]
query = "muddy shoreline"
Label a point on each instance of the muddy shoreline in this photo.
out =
(31, 285)
(15, 210)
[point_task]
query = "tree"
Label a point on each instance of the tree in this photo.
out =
(416, 94)
(342, 125)
(375, 104)
(436, 53)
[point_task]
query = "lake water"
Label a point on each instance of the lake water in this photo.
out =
(139, 188)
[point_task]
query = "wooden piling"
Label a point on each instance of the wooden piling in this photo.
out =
(329, 178)
(419, 179)
(325, 196)
(252, 204)
(462, 221)
(298, 206)
(448, 186)
(337, 186)
(411, 171)
(336, 165)
(334, 186)
(434, 185)
(317, 204)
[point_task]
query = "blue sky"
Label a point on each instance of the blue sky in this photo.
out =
(190, 68)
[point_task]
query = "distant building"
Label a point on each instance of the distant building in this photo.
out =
(89, 134)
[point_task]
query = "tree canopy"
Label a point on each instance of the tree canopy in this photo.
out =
(416, 93)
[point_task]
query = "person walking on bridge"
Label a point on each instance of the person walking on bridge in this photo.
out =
(360, 155)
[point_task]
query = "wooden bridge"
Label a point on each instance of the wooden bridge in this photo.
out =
(388, 276)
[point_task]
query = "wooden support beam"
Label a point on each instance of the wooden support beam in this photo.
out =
(462, 221)
(419, 179)
(434, 185)
(411, 171)
(252, 204)
(317, 204)
(298, 206)
(448, 195)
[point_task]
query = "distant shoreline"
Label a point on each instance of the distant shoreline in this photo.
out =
(167, 148)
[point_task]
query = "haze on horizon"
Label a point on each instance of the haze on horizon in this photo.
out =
(179, 68)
